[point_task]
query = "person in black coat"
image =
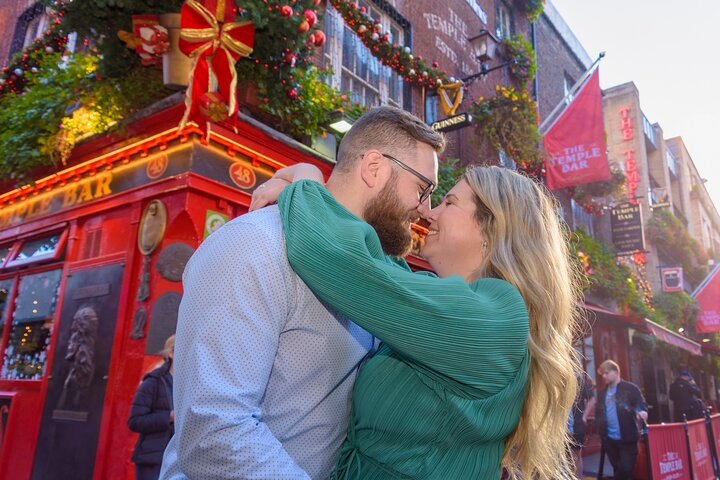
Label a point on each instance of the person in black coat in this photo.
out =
(152, 416)
(620, 405)
(686, 397)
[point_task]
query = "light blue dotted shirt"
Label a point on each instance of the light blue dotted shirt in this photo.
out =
(263, 370)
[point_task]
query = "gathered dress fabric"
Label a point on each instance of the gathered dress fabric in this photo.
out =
(447, 386)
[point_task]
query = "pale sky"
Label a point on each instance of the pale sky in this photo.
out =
(671, 51)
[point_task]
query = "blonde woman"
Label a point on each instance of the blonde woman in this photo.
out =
(152, 416)
(476, 371)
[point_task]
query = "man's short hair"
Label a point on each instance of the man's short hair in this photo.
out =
(389, 130)
(608, 365)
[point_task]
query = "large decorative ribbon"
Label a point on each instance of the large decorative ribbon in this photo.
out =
(215, 42)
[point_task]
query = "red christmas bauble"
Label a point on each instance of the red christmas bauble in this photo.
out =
(292, 93)
(311, 39)
(316, 3)
(311, 17)
(286, 11)
(319, 38)
(304, 26)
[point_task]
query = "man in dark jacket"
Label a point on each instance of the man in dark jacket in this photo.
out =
(686, 395)
(620, 406)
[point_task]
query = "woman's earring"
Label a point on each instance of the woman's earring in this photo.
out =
(485, 244)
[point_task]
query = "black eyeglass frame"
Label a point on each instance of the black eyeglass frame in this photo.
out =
(431, 186)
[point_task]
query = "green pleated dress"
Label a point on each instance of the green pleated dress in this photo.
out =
(447, 386)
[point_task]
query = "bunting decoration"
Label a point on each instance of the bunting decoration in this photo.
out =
(210, 36)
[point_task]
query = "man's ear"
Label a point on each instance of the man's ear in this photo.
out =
(371, 169)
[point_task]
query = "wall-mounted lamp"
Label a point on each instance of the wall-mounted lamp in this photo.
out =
(484, 46)
(339, 121)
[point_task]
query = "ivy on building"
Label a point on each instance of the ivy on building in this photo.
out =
(674, 243)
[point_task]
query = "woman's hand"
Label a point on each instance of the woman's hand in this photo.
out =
(268, 192)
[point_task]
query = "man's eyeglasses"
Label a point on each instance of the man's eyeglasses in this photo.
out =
(428, 190)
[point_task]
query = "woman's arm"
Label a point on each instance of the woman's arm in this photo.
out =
(477, 336)
(268, 192)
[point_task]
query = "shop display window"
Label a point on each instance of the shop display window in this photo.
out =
(30, 334)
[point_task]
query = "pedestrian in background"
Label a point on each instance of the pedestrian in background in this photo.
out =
(620, 406)
(152, 416)
(686, 397)
(584, 404)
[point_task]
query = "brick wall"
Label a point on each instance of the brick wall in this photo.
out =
(10, 10)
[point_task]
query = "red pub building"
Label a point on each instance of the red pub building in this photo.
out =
(91, 260)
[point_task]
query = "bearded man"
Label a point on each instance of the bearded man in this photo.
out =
(268, 369)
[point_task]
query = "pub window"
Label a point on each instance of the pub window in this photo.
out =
(29, 26)
(50, 247)
(4, 254)
(356, 70)
(30, 332)
(5, 292)
(503, 21)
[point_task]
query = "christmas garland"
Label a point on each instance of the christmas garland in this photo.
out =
(13, 77)
(587, 196)
(371, 32)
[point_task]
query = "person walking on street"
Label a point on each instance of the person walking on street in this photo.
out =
(583, 406)
(686, 397)
(152, 416)
(620, 406)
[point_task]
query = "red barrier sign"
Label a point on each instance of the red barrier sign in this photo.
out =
(700, 450)
(715, 421)
(668, 452)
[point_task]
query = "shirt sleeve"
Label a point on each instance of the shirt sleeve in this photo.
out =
(234, 307)
(475, 334)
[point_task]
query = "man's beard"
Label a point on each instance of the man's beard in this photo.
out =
(389, 218)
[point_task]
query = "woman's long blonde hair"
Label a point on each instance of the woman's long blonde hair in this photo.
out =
(527, 247)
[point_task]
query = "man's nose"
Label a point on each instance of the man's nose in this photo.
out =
(424, 209)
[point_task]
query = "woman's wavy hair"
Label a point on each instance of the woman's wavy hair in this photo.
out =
(528, 247)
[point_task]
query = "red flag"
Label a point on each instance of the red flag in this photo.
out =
(575, 144)
(708, 296)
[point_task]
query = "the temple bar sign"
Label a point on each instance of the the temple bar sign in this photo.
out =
(452, 123)
(627, 227)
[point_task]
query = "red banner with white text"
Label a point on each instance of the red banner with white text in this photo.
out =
(575, 146)
(700, 450)
(668, 452)
(715, 423)
(708, 297)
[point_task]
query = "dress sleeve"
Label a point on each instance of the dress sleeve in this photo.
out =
(475, 334)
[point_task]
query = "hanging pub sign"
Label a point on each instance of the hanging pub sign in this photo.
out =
(659, 198)
(451, 96)
(672, 279)
(627, 227)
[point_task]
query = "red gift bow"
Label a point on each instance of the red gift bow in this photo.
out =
(215, 43)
